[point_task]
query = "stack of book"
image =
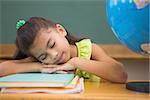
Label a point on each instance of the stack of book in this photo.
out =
(42, 83)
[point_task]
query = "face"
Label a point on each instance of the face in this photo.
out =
(51, 46)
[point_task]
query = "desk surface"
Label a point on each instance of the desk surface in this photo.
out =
(93, 91)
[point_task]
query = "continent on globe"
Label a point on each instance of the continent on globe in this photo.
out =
(146, 47)
(141, 3)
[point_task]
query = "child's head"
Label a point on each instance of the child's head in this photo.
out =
(45, 40)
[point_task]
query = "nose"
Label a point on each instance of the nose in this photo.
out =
(53, 53)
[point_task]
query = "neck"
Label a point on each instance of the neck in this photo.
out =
(73, 51)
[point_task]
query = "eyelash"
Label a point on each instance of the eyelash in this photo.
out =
(51, 46)
(44, 57)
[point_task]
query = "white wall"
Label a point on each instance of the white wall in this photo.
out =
(137, 69)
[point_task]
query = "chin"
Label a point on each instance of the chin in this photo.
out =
(66, 59)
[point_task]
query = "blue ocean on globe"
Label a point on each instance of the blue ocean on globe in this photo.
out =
(129, 20)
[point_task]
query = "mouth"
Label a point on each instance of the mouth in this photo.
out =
(59, 58)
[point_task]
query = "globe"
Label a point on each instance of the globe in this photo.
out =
(129, 20)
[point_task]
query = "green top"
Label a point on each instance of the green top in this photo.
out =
(84, 48)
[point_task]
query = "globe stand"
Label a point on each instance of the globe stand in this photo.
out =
(138, 86)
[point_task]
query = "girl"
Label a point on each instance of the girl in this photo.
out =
(45, 46)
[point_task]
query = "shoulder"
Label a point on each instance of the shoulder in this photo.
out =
(84, 48)
(84, 41)
(84, 45)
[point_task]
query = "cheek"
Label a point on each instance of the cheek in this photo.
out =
(67, 53)
(48, 61)
(66, 44)
(65, 48)
(62, 45)
(67, 57)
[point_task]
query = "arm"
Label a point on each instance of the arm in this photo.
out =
(17, 66)
(102, 65)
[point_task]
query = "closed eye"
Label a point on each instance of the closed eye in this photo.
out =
(50, 43)
(43, 57)
(53, 45)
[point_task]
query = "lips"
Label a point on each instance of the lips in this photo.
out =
(59, 58)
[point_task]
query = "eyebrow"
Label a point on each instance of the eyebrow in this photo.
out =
(46, 48)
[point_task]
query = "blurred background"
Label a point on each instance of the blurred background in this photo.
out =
(82, 18)
(85, 18)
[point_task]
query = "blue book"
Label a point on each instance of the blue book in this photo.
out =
(36, 80)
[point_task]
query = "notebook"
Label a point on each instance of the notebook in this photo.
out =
(36, 80)
(76, 86)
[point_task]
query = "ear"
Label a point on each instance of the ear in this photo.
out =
(60, 29)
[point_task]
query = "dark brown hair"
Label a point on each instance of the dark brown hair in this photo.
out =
(26, 35)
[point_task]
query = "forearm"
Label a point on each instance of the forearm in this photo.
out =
(110, 71)
(13, 66)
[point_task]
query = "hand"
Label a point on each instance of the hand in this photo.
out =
(66, 66)
(54, 68)
(57, 68)
(48, 68)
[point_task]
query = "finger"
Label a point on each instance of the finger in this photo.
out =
(48, 70)
(61, 72)
(59, 68)
(65, 67)
(49, 66)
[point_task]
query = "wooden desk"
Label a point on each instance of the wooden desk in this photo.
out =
(93, 91)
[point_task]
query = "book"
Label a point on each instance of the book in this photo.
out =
(36, 80)
(75, 86)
